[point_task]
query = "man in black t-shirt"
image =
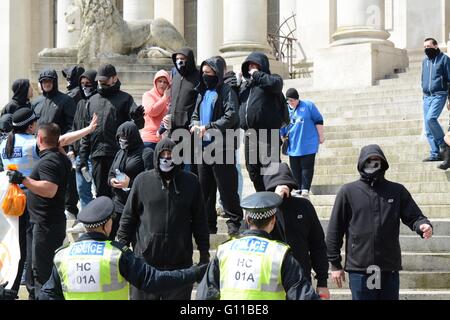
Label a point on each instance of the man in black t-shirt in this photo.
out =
(45, 201)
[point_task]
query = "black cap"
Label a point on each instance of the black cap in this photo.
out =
(261, 205)
(97, 212)
(105, 72)
(6, 122)
(23, 117)
(292, 93)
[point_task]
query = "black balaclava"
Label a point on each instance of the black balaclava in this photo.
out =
(432, 52)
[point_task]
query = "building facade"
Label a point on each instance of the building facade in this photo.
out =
(318, 34)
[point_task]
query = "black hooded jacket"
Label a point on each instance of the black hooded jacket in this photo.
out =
(19, 100)
(183, 93)
(54, 106)
(225, 113)
(113, 107)
(72, 75)
(260, 96)
(128, 161)
(299, 226)
(368, 213)
(80, 119)
(165, 215)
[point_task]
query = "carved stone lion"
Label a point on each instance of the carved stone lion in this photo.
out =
(105, 33)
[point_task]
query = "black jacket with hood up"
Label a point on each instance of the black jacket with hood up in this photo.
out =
(54, 106)
(128, 161)
(80, 119)
(225, 113)
(299, 226)
(260, 95)
(19, 100)
(368, 213)
(72, 75)
(165, 215)
(183, 93)
(113, 107)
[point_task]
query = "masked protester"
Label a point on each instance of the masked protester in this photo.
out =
(368, 213)
(435, 80)
(164, 220)
(127, 164)
(22, 93)
(72, 74)
(217, 110)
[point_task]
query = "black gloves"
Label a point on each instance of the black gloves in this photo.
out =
(137, 115)
(8, 294)
(81, 165)
(204, 258)
(15, 176)
(199, 271)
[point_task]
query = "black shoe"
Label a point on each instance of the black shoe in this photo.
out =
(432, 159)
(446, 155)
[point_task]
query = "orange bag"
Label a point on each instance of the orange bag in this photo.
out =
(15, 201)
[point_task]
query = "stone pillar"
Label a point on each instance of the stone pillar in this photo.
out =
(245, 31)
(360, 21)
(68, 32)
(209, 28)
(360, 53)
(138, 10)
(171, 10)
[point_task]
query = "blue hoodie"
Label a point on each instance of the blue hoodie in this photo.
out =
(436, 75)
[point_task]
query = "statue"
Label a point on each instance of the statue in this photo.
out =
(104, 33)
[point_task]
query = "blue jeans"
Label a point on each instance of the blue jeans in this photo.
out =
(432, 109)
(84, 188)
(388, 290)
(151, 145)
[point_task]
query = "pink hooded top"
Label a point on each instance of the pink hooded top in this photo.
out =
(156, 107)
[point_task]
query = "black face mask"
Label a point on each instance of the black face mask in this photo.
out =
(210, 81)
(432, 53)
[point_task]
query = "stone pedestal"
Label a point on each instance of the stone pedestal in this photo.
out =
(360, 53)
(68, 27)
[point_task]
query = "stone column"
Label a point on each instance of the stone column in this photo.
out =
(245, 31)
(171, 10)
(360, 53)
(66, 38)
(138, 10)
(209, 28)
(360, 21)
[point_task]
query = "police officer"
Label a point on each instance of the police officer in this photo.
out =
(254, 267)
(94, 268)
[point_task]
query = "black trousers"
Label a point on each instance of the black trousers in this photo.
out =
(303, 170)
(115, 226)
(100, 173)
(183, 293)
(223, 177)
(71, 198)
(24, 221)
(253, 144)
(46, 239)
(29, 278)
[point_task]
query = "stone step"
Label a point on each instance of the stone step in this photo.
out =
(363, 102)
(431, 211)
(398, 124)
(393, 168)
(420, 198)
(430, 280)
(405, 294)
(364, 134)
(428, 177)
(410, 146)
(351, 118)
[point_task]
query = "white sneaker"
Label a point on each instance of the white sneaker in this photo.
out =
(305, 194)
(296, 193)
(77, 227)
(70, 215)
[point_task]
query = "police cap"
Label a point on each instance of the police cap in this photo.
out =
(97, 212)
(261, 205)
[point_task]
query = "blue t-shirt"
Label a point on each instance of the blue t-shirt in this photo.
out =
(206, 111)
(302, 131)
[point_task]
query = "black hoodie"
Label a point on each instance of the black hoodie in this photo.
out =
(80, 119)
(165, 215)
(72, 75)
(19, 100)
(128, 161)
(54, 106)
(299, 226)
(368, 213)
(183, 93)
(260, 96)
(225, 113)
